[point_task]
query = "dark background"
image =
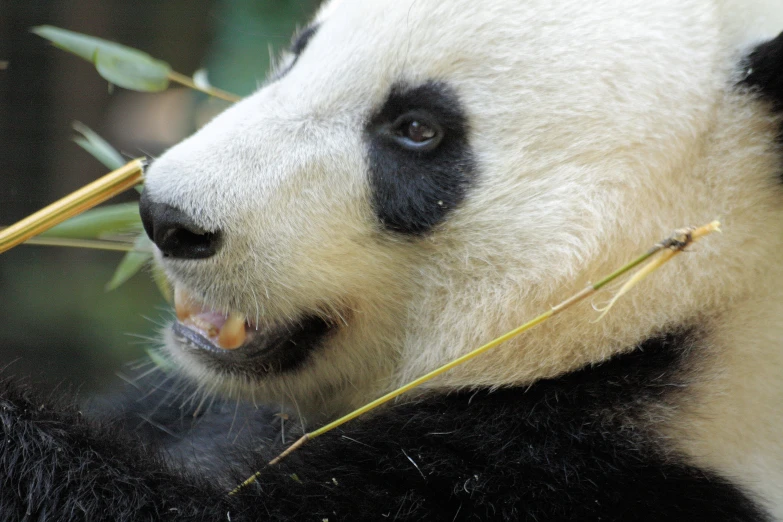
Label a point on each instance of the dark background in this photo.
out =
(57, 323)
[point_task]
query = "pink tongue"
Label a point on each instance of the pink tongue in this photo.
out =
(215, 319)
(208, 322)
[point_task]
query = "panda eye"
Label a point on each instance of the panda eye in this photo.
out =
(416, 132)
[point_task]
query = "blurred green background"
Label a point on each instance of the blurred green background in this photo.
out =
(58, 324)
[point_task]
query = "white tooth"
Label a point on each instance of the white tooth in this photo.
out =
(184, 304)
(232, 334)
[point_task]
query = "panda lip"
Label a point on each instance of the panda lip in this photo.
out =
(231, 341)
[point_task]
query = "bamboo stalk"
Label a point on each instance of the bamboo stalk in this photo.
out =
(671, 247)
(93, 244)
(212, 91)
(97, 192)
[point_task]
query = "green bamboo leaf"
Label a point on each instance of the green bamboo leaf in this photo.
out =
(131, 71)
(98, 222)
(119, 64)
(132, 262)
(159, 360)
(79, 44)
(97, 147)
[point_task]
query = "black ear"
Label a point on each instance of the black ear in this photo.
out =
(764, 68)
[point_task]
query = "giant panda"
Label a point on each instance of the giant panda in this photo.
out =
(414, 179)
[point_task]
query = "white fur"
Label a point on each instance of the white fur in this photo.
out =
(598, 126)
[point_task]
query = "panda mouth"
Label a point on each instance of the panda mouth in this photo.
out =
(235, 344)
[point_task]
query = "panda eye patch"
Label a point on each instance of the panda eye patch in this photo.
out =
(419, 157)
(417, 132)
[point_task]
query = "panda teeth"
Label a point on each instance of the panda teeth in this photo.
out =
(233, 332)
(184, 305)
(229, 333)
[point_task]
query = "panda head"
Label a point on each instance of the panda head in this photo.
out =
(418, 177)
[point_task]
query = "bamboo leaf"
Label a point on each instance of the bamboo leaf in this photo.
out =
(119, 64)
(132, 262)
(159, 360)
(97, 147)
(138, 73)
(98, 222)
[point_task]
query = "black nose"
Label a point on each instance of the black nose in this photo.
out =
(175, 233)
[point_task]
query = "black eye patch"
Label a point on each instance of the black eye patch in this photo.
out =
(421, 164)
(764, 74)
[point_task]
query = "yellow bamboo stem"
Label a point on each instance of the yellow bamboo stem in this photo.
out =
(92, 244)
(212, 91)
(97, 192)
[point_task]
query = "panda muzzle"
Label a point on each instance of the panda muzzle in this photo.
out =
(224, 331)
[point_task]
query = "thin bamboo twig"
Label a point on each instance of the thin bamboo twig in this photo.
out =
(75, 203)
(93, 244)
(672, 246)
(212, 91)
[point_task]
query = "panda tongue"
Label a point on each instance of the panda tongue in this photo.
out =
(226, 332)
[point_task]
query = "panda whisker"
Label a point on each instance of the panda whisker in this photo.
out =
(139, 363)
(205, 394)
(152, 157)
(159, 323)
(147, 373)
(190, 399)
(143, 337)
(214, 395)
(295, 403)
(255, 303)
(171, 389)
(148, 419)
(234, 417)
(128, 380)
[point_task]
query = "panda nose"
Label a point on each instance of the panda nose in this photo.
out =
(175, 233)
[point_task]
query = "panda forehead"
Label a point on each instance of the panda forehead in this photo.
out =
(387, 41)
(396, 36)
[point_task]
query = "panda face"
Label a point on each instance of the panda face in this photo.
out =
(418, 177)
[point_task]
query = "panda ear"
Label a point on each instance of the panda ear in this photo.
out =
(764, 68)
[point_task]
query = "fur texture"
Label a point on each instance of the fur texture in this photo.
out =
(566, 449)
(585, 132)
(595, 128)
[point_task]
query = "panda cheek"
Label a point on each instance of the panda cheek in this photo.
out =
(414, 191)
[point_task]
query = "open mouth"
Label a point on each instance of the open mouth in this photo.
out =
(230, 342)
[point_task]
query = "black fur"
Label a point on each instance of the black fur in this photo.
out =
(764, 67)
(572, 448)
(765, 71)
(413, 191)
